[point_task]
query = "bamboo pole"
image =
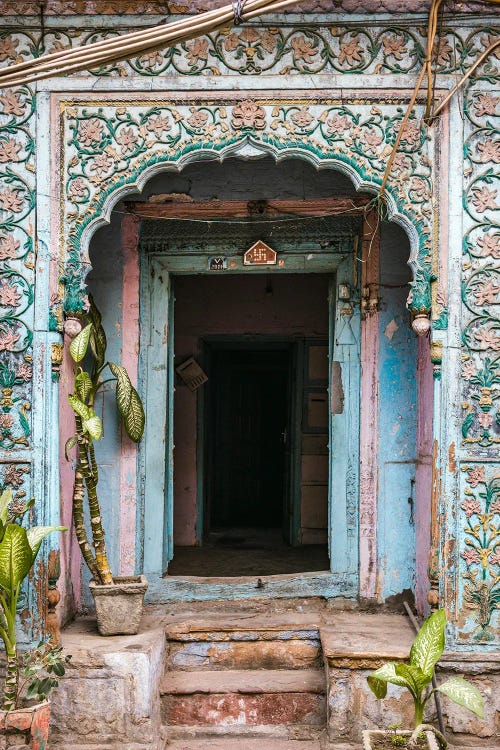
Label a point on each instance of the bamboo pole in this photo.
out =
(133, 43)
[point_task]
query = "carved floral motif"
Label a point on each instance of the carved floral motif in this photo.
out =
(109, 146)
(481, 546)
(16, 256)
(249, 50)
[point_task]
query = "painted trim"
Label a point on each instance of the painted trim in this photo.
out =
(369, 469)
(344, 428)
(130, 347)
(154, 358)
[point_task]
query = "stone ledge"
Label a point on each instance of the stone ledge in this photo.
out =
(249, 681)
(109, 697)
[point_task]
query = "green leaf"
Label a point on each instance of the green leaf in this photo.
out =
(93, 426)
(37, 534)
(428, 645)
(414, 677)
(98, 341)
(135, 419)
(79, 345)
(129, 403)
(5, 501)
(15, 557)
(123, 388)
(83, 385)
(378, 687)
(81, 409)
(387, 673)
(70, 444)
(464, 694)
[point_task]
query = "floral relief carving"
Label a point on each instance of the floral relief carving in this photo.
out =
(16, 258)
(481, 286)
(109, 146)
(256, 49)
(480, 506)
(480, 539)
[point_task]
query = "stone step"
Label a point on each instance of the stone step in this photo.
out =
(239, 641)
(262, 732)
(279, 653)
(242, 743)
(244, 697)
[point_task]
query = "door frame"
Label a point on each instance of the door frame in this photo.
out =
(344, 483)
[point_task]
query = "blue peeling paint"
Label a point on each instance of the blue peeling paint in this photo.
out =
(397, 420)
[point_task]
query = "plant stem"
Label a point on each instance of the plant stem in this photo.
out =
(95, 518)
(78, 501)
(11, 681)
(419, 713)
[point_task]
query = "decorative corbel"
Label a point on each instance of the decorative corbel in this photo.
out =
(420, 302)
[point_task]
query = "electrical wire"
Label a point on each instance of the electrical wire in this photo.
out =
(125, 46)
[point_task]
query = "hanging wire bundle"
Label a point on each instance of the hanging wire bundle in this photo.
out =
(136, 42)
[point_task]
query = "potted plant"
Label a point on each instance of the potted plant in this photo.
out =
(416, 676)
(29, 675)
(118, 601)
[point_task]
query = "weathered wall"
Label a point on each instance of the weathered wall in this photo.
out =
(293, 62)
(397, 419)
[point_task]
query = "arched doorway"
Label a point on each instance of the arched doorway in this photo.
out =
(163, 248)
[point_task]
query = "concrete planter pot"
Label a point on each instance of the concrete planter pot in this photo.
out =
(26, 727)
(119, 605)
(371, 734)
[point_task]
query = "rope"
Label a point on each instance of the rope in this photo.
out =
(238, 6)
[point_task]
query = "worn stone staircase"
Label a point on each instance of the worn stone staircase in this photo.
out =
(218, 676)
(246, 678)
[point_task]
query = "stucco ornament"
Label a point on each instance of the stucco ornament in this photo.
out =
(114, 145)
(480, 537)
(480, 553)
(421, 324)
(17, 202)
(262, 48)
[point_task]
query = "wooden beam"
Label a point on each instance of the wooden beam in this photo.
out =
(176, 208)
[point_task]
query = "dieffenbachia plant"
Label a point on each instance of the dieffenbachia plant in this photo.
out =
(18, 550)
(416, 676)
(90, 344)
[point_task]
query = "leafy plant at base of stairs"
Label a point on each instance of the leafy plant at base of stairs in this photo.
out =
(416, 676)
(90, 344)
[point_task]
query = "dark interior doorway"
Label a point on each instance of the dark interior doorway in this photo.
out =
(248, 424)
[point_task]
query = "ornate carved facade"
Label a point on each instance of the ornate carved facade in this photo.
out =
(331, 91)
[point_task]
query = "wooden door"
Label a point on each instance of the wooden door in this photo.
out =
(249, 426)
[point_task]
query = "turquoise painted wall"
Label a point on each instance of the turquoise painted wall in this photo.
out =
(397, 418)
(105, 284)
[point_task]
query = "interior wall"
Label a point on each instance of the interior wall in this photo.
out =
(105, 283)
(205, 306)
(397, 419)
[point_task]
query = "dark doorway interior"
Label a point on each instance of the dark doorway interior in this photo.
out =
(248, 428)
(248, 448)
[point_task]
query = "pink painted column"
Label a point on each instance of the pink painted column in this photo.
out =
(423, 475)
(130, 360)
(368, 482)
(70, 581)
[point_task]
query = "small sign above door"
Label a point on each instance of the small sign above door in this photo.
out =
(260, 254)
(217, 263)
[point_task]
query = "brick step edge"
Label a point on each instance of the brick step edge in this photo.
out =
(290, 733)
